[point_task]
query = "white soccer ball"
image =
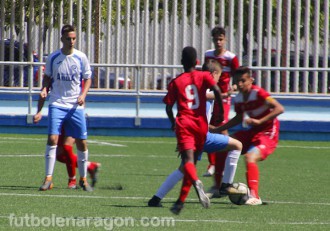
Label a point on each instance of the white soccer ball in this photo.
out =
(240, 199)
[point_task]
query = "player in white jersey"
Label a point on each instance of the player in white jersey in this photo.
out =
(65, 71)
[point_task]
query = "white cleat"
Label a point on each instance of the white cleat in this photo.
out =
(203, 199)
(253, 201)
(210, 171)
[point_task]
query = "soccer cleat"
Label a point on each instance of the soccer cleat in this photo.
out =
(203, 199)
(177, 207)
(72, 183)
(155, 202)
(47, 185)
(210, 171)
(93, 172)
(213, 192)
(85, 186)
(227, 189)
(253, 201)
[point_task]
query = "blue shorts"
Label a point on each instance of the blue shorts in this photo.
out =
(214, 143)
(72, 119)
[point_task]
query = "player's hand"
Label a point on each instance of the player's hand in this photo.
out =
(81, 100)
(43, 93)
(252, 122)
(37, 117)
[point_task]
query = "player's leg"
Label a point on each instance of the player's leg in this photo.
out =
(190, 178)
(55, 117)
(212, 163)
(235, 149)
(252, 174)
(93, 169)
(216, 142)
(218, 157)
(262, 146)
(166, 186)
(75, 127)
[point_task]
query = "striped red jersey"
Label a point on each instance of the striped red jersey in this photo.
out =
(229, 62)
(255, 107)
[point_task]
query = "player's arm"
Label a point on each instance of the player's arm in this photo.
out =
(46, 81)
(217, 94)
(237, 119)
(277, 109)
(82, 97)
(170, 115)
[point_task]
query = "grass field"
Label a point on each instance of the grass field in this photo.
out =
(294, 181)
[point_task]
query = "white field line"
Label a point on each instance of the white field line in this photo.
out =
(139, 198)
(113, 142)
(5, 140)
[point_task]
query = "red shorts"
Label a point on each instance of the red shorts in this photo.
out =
(190, 135)
(226, 108)
(265, 141)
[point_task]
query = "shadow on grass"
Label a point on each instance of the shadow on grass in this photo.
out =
(21, 187)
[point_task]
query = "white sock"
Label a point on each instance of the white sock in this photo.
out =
(230, 166)
(50, 159)
(169, 183)
(82, 162)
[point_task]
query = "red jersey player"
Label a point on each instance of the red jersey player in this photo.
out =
(261, 138)
(188, 90)
(229, 62)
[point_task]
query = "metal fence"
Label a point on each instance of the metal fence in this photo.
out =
(287, 42)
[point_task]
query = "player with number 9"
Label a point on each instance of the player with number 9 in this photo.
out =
(188, 90)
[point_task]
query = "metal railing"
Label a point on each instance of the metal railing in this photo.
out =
(137, 91)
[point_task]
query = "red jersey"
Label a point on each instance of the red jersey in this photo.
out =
(229, 62)
(188, 90)
(255, 107)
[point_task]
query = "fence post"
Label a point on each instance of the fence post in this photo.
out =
(138, 92)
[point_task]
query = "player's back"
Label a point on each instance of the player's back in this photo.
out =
(191, 92)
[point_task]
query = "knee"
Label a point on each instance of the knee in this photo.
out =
(250, 158)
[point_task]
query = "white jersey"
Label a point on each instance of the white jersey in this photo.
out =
(67, 73)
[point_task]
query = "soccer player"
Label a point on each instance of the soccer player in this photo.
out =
(65, 70)
(65, 154)
(188, 90)
(261, 138)
(229, 62)
(214, 142)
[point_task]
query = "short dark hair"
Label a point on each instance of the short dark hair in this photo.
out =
(212, 65)
(217, 31)
(242, 70)
(67, 28)
(189, 56)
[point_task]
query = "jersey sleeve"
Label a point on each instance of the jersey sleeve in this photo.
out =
(263, 94)
(86, 68)
(170, 97)
(234, 65)
(48, 66)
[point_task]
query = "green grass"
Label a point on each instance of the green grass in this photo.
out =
(294, 181)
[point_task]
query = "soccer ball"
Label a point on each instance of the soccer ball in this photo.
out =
(240, 199)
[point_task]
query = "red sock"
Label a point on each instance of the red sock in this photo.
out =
(211, 157)
(190, 171)
(60, 155)
(220, 160)
(252, 178)
(185, 188)
(71, 162)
